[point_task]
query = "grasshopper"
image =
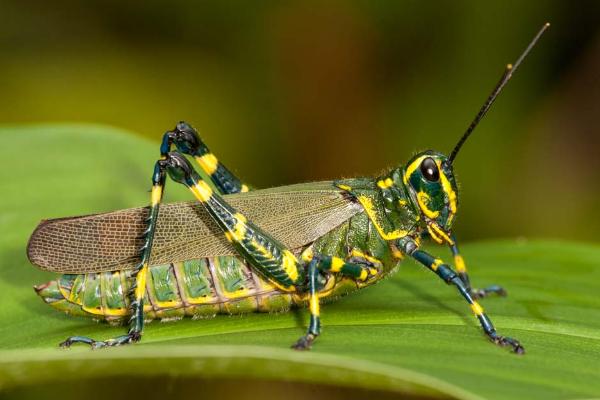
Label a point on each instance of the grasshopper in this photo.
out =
(237, 250)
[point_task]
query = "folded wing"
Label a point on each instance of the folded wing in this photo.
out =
(295, 215)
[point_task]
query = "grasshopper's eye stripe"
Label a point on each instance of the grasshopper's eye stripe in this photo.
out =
(447, 187)
(412, 168)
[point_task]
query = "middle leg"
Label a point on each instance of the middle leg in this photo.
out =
(264, 253)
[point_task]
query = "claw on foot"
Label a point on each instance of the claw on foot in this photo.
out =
(304, 343)
(503, 341)
(494, 289)
(98, 344)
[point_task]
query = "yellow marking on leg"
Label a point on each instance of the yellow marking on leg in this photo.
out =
(436, 263)
(477, 309)
(156, 195)
(364, 274)
(202, 191)
(423, 200)
(402, 202)
(240, 217)
(360, 254)
(262, 249)
(239, 230)
(385, 183)
(367, 204)
(459, 263)
(314, 305)
(140, 281)
(244, 188)
(208, 163)
(336, 264)
(290, 264)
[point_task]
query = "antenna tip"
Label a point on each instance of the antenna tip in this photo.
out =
(509, 67)
(547, 24)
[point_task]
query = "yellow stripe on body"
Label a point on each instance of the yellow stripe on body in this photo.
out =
(115, 312)
(202, 191)
(244, 188)
(208, 163)
(307, 254)
(92, 310)
(423, 199)
(412, 167)
(459, 263)
(67, 295)
(367, 204)
(385, 184)
(344, 187)
(448, 189)
(477, 309)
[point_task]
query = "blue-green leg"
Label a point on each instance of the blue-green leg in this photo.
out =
(448, 275)
(265, 254)
(314, 326)
(461, 269)
(138, 289)
(187, 141)
(327, 264)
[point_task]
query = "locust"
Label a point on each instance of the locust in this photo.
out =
(236, 250)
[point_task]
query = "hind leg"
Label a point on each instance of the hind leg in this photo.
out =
(187, 141)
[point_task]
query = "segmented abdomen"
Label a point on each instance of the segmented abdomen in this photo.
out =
(197, 288)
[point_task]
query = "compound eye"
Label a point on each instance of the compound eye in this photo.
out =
(430, 170)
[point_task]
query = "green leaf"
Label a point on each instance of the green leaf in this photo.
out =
(410, 334)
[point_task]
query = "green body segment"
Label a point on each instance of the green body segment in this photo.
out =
(220, 285)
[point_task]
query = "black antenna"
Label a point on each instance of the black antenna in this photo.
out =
(510, 69)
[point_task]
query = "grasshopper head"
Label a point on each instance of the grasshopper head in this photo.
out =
(430, 181)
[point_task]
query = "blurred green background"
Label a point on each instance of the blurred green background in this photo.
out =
(287, 91)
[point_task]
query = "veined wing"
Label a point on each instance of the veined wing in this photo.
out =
(295, 215)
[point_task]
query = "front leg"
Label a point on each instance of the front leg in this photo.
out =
(459, 263)
(448, 275)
